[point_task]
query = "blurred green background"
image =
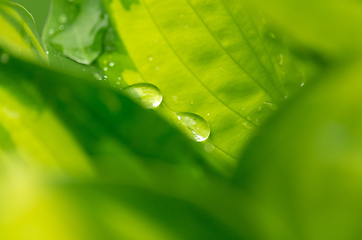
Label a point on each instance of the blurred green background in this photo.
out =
(39, 10)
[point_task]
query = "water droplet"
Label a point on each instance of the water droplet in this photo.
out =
(51, 31)
(199, 129)
(150, 58)
(247, 125)
(260, 108)
(63, 18)
(111, 64)
(208, 114)
(270, 105)
(209, 147)
(98, 76)
(118, 83)
(272, 35)
(302, 84)
(61, 27)
(105, 69)
(4, 58)
(281, 59)
(84, 70)
(147, 95)
(119, 78)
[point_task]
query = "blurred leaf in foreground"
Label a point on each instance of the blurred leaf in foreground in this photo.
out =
(306, 164)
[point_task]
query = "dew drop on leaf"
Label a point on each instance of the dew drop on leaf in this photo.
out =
(63, 18)
(199, 129)
(145, 94)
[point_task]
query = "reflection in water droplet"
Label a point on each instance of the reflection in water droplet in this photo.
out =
(145, 94)
(63, 18)
(199, 128)
(4, 58)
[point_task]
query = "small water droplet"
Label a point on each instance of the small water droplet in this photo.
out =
(84, 70)
(150, 58)
(105, 69)
(111, 64)
(61, 27)
(260, 108)
(208, 114)
(51, 31)
(272, 35)
(302, 84)
(271, 106)
(105, 76)
(199, 129)
(247, 125)
(209, 147)
(118, 83)
(119, 78)
(147, 95)
(4, 58)
(281, 59)
(63, 18)
(47, 52)
(98, 76)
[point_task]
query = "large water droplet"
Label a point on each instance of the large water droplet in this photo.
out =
(145, 94)
(199, 128)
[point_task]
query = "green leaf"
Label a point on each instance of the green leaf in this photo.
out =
(305, 166)
(18, 34)
(76, 29)
(217, 60)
